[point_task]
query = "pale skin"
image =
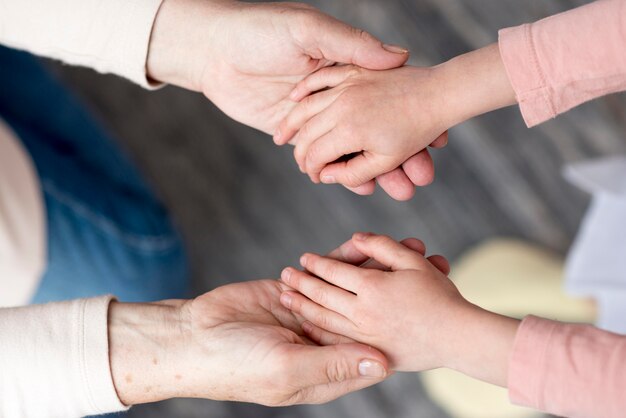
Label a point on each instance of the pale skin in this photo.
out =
(411, 311)
(248, 57)
(382, 118)
(235, 343)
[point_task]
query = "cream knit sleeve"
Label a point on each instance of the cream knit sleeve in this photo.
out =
(110, 36)
(54, 360)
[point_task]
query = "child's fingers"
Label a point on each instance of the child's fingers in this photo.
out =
(348, 253)
(352, 173)
(441, 263)
(441, 141)
(411, 243)
(319, 126)
(345, 276)
(302, 113)
(388, 252)
(320, 292)
(397, 184)
(321, 79)
(420, 168)
(316, 314)
(323, 337)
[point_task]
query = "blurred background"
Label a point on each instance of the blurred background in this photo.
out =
(246, 211)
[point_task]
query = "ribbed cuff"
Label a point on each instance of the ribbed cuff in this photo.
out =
(523, 68)
(527, 363)
(93, 346)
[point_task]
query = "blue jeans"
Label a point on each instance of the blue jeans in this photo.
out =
(107, 231)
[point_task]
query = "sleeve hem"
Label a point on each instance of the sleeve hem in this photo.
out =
(94, 356)
(525, 74)
(527, 364)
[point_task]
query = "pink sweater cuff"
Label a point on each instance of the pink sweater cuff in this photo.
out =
(568, 370)
(567, 59)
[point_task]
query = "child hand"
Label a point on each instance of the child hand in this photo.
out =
(411, 313)
(384, 117)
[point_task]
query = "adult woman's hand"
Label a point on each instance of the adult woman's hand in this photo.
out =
(248, 57)
(235, 343)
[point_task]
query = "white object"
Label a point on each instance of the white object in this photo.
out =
(596, 265)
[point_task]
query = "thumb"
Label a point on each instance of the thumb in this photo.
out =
(339, 42)
(341, 363)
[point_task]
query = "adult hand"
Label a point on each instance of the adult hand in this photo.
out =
(248, 57)
(235, 343)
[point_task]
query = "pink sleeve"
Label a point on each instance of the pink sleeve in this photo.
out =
(568, 370)
(567, 59)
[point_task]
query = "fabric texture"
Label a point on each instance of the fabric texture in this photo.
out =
(567, 59)
(576, 371)
(110, 36)
(22, 223)
(74, 335)
(107, 232)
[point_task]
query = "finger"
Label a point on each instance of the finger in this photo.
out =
(352, 173)
(302, 113)
(323, 337)
(397, 185)
(328, 77)
(340, 274)
(320, 292)
(317, 314)
(328, 372)
(411, 243)
(441, 141)
(318, 127)
(348, 45)
(389, 252)
(420, 168)
(365, 189)
(348, 253)
(441, 263)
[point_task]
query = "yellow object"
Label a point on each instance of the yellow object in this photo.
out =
(515, 279)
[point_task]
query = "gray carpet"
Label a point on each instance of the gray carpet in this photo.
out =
(246, 211)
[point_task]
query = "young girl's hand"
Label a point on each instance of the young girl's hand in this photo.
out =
(412, 313)
(378, 118)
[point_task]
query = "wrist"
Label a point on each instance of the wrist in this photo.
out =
(181, 40)
(483, 342)
(475, 83)
(147, 344)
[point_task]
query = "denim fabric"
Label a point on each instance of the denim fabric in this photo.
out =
(107, 231)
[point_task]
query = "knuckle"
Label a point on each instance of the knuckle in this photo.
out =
(320, 296)
(354, 71)
(353, 179)
(323, 321)
(338, 370)
(361, 34)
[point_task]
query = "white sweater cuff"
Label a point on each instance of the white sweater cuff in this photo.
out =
(110, 36)
(55, 360)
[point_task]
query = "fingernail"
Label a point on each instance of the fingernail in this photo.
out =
(303, 260)
(371, 368)
(294, 95)
(362, 236)
(395, 49)
(286, 300)
(277, 136)
(286, 275)
(307, 327)
(329, 180)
